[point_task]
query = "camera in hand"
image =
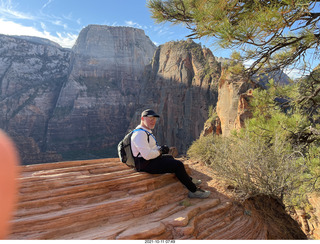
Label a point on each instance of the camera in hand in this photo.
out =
(164, 149)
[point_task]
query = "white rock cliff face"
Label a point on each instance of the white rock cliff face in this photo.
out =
(99, 96)
(31, 75)
(69, 104)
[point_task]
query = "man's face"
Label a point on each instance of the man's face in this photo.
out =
(149, 122)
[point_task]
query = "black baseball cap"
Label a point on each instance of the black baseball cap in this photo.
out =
(149, 113)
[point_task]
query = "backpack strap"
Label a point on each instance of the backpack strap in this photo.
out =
(148, 133)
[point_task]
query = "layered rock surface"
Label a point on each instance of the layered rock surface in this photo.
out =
(104, 199)
(311, 224)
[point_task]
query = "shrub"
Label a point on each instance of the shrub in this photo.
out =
(268, 156)
(250, 165)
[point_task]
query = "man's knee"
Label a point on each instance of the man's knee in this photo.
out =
(178, 164)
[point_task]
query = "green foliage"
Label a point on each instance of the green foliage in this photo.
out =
(236, 69)
(267, 156)
(274, 33)
(201, 149)
(212, 115)
(185, 203)
(277, 153)
(235, 66)
(308, 99)
(276, 119)
(250, 165)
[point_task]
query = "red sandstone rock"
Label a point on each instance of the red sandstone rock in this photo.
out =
(104, 199)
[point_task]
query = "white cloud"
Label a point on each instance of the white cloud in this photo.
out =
(291, 72)
(294, 73)
(9, 25)
(46, 4)
(249, 62)
(60, 23)
(43, 25)
(133, 24)
(162, 30)
(65, 39)
(12, 28)
(7, 10)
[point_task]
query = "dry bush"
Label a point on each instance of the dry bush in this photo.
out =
(250, 165)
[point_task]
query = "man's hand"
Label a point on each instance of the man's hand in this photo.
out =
(164, 149)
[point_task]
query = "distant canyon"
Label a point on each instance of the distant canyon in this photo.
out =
(70, 104)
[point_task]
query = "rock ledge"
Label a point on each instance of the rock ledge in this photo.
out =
(104, 199)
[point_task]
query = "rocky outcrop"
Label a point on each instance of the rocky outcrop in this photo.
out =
(39, 40)
(212, 126)
(233, 102)
(235, 92)
(310, 222)
(104, 199)
(181, 85)
(61, 104)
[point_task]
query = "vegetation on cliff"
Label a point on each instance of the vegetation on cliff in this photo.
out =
(276, 154)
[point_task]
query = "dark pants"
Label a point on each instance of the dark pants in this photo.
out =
(166, 164)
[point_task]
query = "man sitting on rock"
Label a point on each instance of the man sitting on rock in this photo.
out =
(149, 157)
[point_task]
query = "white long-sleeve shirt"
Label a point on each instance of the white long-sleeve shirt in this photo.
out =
(139, 143)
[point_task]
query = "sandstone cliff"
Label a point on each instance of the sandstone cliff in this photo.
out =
(181, 85)
(95, 105)
(233, 102)
(234, 93)
(31, 76)
(77, 104)
(67, 104)
(57, 101)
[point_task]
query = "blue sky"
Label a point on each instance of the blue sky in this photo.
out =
(62, 20)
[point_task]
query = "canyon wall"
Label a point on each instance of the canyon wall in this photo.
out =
(95, 105)
(69, 104)
(234, 93)
(59, 103)
(31, 76)
(181, 85)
